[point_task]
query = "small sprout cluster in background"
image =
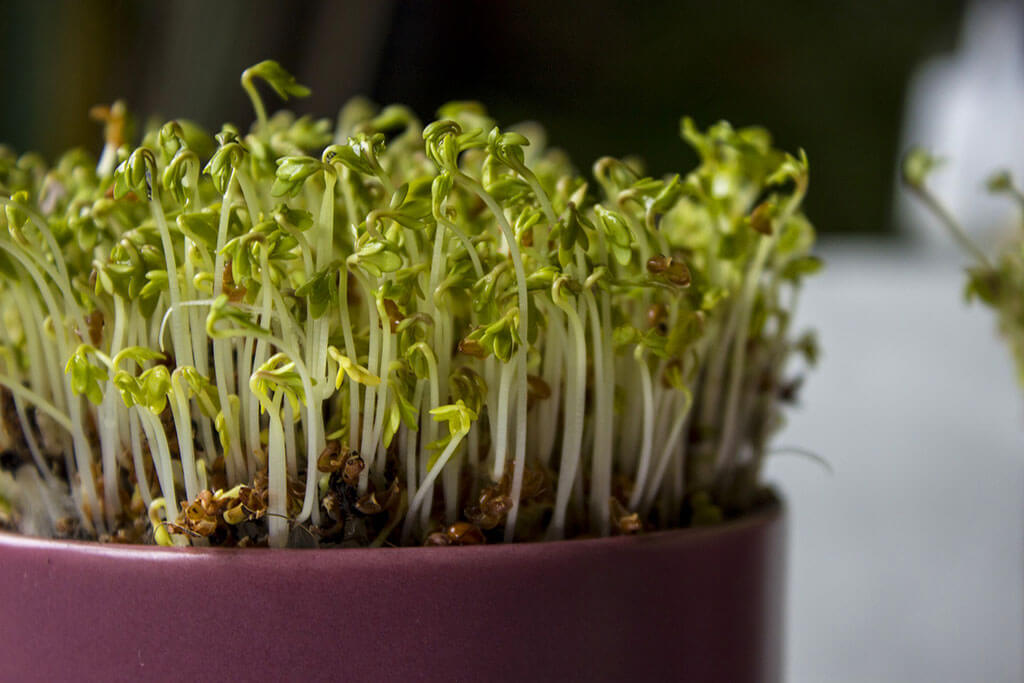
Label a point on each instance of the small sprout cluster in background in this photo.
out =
(996, 280)
(378, 332)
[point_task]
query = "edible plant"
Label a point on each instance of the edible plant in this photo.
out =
(996, 279)
(371, 331)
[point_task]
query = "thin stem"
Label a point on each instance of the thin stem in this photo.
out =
(957, 231)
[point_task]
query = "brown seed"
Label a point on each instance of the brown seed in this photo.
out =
(205, 527)
(394, 314)
(677, 273)
(623, 521)
(253, 501)
(656, 314)
(471, 347)
(657, 264)
(332, 457)
(464, 533)
(235, 294)
(495, 507)
(537, 387)
(66, 526)
(368, 504)
(392, 496)
(437, 538)
(482, 520)
(533, 483)
(95, 323)
(761, 219)
(630, 524)
(353, 467)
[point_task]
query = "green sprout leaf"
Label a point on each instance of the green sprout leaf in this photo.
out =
(275, 75)
(917, 165)
(86, 377)
(354, 371)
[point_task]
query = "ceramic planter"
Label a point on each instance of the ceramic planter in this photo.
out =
(687, 605)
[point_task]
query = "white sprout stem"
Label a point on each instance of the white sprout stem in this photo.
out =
(314, 421)
(33, 444)
(513, 250)
(161, 454)
(729, 438)
(32, 263)
(33, 397)
(200, 348)
(290, 446)
(441, 344)
(420, 499)
(307, 387)
(107, 162)
(450, 477)
(431, 426)
(277, 478)
(251, 197)
(248, 404)
(32, 323)
(317, 350)
(645, 499)
(437, 263)
(951, 224)
(714, 378)
(631, 420)
(411, 452)
(519, 464)
(179, 321)
(137, 461)
(183, 427)
(553, 360)
(261, 352)
(678, 487)
(466, 243)
(60, 276)
(501, 420)
(601, 459)
(647, 443)
(350, 351)
(350, 204)
(473, 457)
(575, 403)
(82, 451)
(108, 427)
(366, 445)
(524, 326)
(224, 368)
(542, 197)
(382, 392)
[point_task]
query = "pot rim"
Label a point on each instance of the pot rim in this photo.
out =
(765, 514)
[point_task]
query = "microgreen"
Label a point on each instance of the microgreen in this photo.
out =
(997, 279)
(385, 332)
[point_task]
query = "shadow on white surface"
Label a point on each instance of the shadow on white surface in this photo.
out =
(907, 563)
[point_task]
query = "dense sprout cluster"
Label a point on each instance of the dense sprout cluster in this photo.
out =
(997, 280)
(379, 332)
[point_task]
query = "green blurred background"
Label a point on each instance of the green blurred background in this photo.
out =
(605, 76)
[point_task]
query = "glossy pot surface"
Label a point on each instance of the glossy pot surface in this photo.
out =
(686, 605)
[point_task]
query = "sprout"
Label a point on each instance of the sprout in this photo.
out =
(468, 341)
(996, 280)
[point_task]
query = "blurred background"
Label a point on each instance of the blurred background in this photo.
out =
(604, 77)
(907, 563)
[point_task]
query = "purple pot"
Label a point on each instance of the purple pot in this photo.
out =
(687, 605)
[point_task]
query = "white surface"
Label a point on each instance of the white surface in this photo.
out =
(967, 107)
(907, 563)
